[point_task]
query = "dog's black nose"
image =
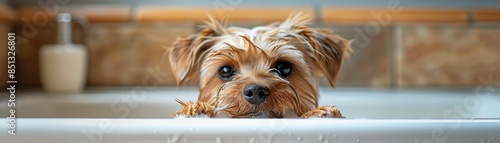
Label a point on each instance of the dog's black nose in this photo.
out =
(255, 93)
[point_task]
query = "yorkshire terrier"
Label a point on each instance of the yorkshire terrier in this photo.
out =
(264, 72)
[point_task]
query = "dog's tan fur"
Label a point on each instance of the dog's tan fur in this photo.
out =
(253, 54)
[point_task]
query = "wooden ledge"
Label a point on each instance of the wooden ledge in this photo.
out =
(162, 13)
(93, 13)
(405, 15)
(6, 13)
(486, 15)
(151, 13)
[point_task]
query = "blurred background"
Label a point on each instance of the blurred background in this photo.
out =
(397, 43)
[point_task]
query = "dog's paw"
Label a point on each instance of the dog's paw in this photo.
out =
(323, 112)
(195, 110)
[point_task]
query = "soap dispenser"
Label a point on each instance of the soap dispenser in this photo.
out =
(63, 65)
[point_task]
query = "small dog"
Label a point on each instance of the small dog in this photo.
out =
(265, 72)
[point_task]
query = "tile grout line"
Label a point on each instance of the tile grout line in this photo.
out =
(395, 55)
(133, 16)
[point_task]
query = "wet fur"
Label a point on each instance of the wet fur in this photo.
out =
(253, 53)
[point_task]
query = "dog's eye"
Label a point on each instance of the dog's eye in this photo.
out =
(226, 73)
(284, 69)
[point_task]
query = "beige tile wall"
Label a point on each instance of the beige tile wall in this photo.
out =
(369, 63)
(132, 54)
(448, 55)
(4, 29)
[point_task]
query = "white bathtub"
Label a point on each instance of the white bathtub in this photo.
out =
(125, 115)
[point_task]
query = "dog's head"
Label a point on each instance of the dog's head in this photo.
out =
(267, 71)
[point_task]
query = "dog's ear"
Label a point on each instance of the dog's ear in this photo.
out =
(322, 48)
(328, 51)
(187, 53)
